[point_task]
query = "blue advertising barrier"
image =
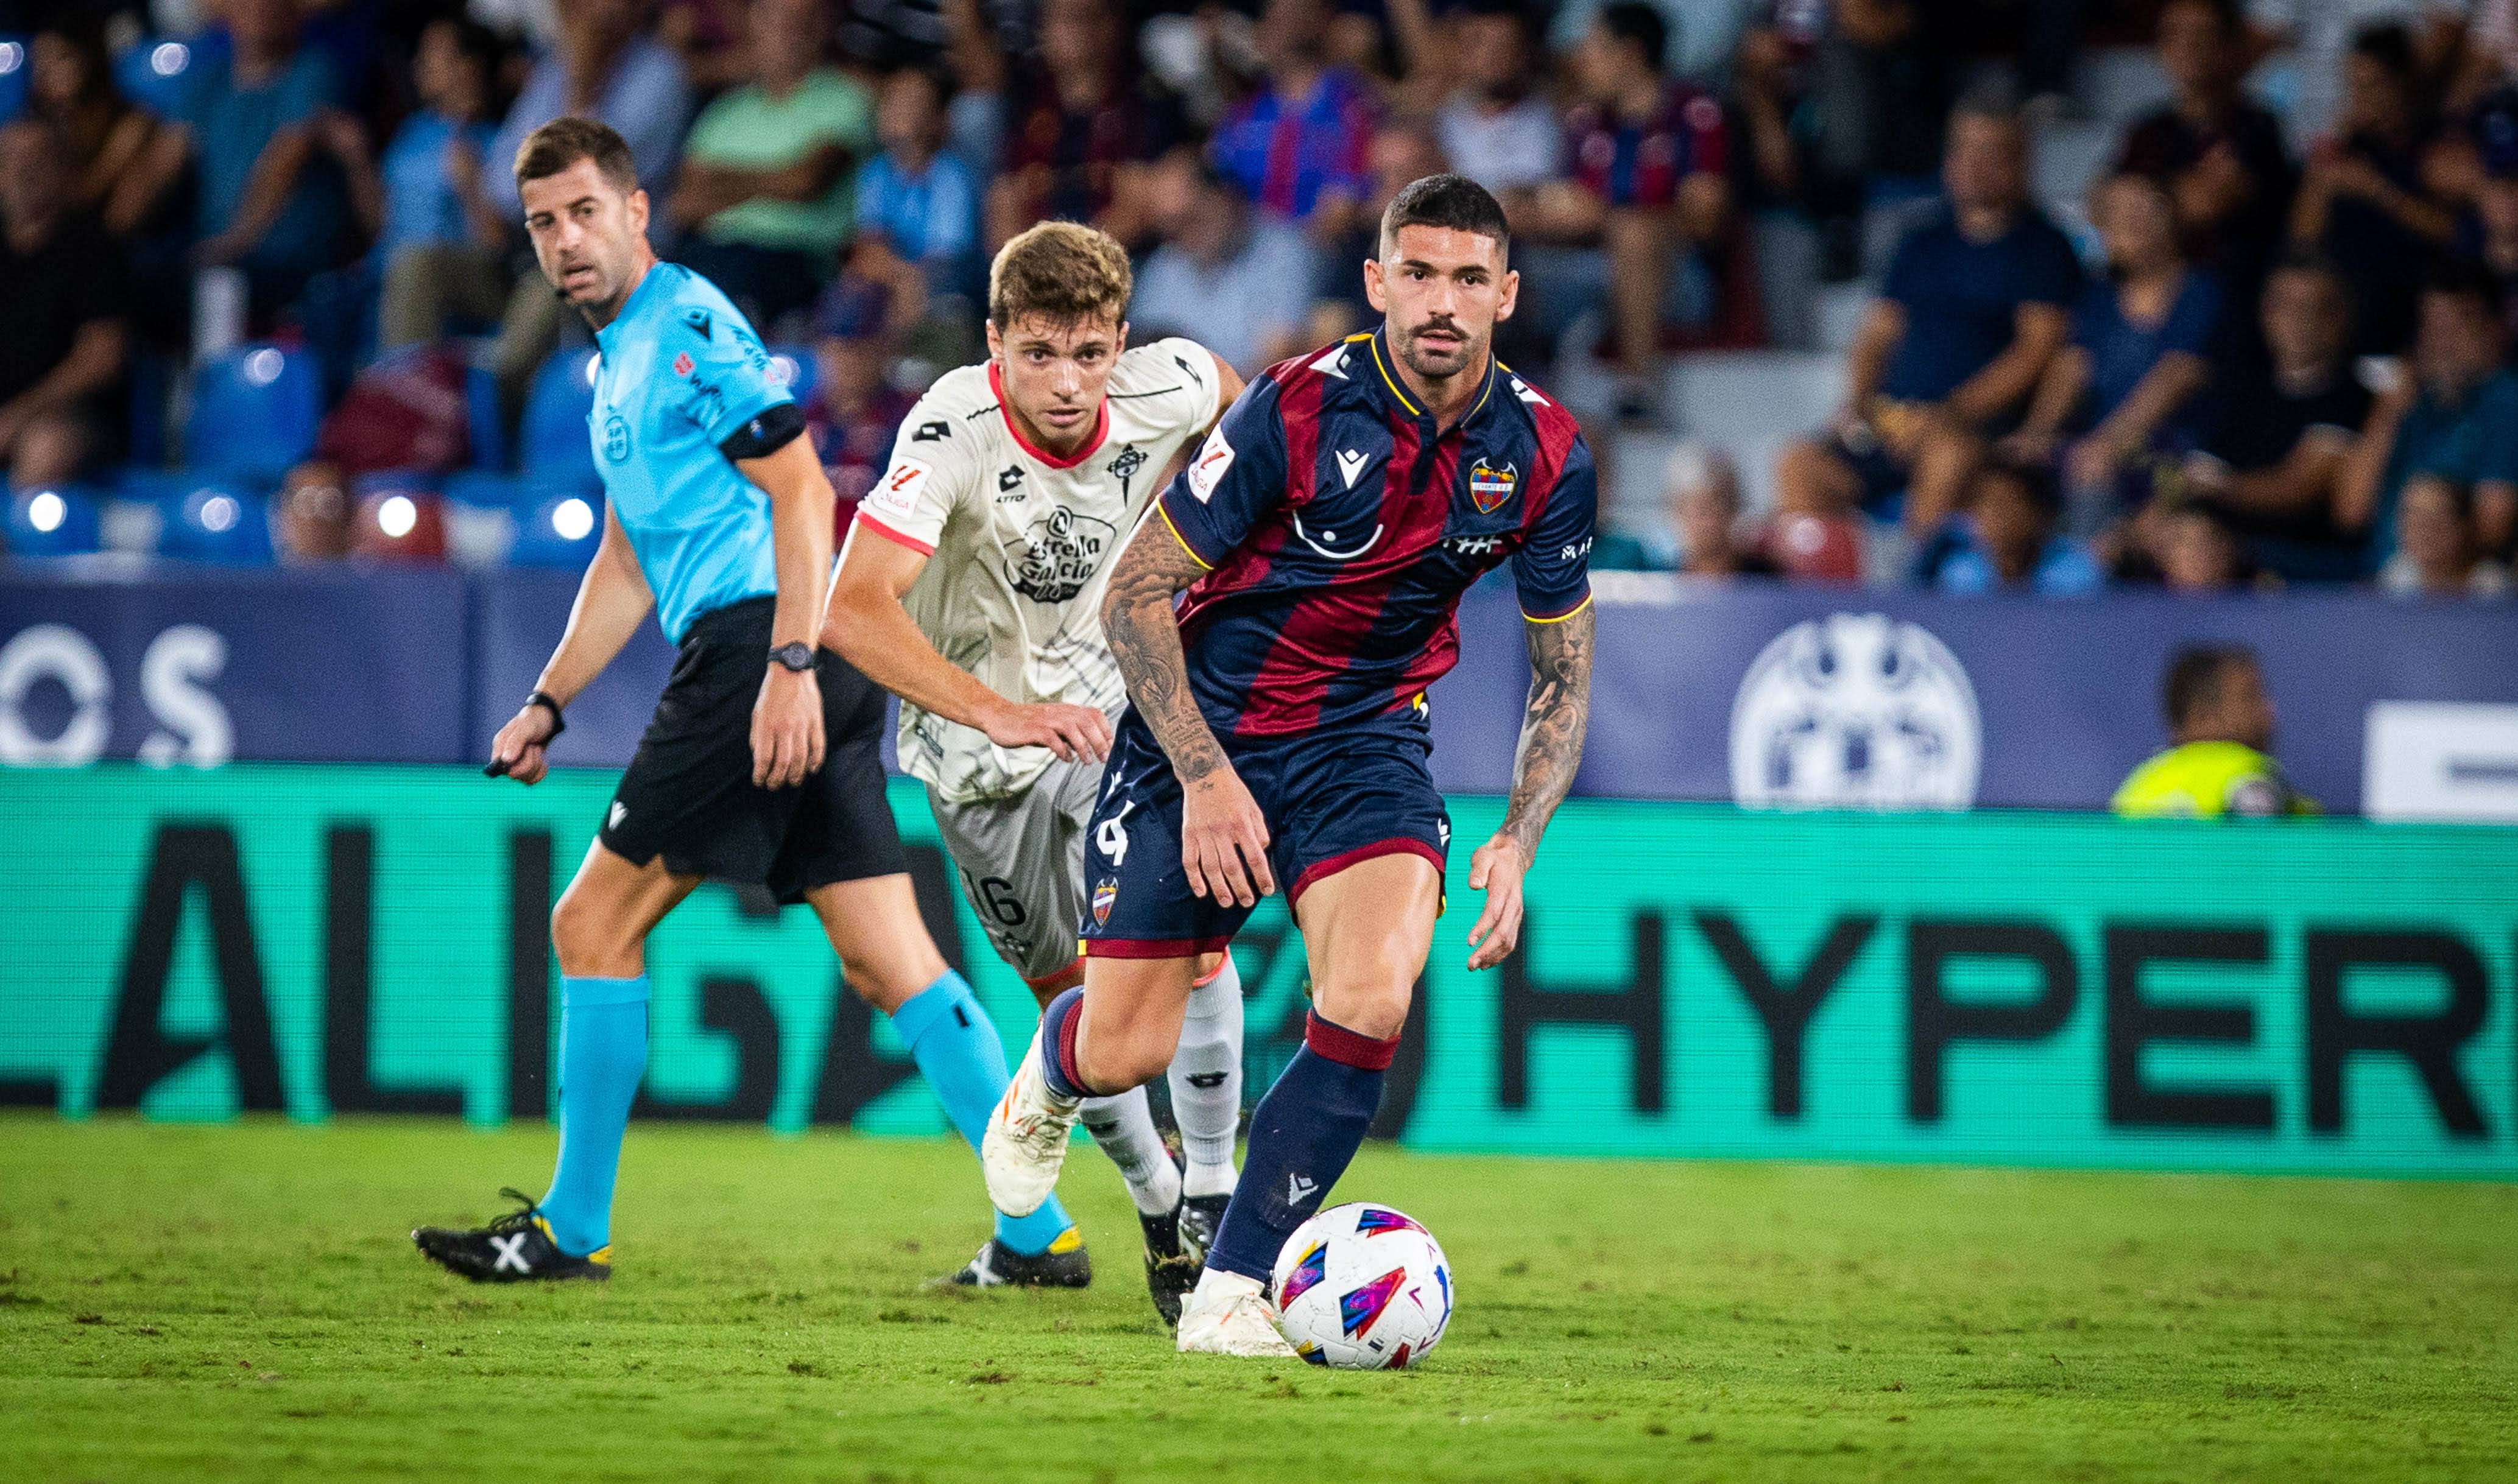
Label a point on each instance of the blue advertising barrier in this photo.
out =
(1767, 694)
(172, 663)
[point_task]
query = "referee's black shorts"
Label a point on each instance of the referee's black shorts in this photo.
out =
(689, 797)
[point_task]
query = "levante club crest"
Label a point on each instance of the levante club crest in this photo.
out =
(1103, 896)
(1489, 486)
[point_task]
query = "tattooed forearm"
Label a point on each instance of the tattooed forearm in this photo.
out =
(1550, 748)
(1136, 618)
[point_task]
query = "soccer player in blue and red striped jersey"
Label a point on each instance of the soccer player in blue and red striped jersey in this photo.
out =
(1322, 535)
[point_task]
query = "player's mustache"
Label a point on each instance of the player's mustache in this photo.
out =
(1438, 327)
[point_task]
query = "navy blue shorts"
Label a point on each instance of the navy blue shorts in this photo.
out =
(1331, 799)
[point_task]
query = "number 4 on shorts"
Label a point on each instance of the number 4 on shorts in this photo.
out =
(1112, 837)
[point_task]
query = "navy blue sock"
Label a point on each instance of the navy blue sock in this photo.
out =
(1057, 1023)
(1303, 1135)
(955, 1045)
(602, 1054)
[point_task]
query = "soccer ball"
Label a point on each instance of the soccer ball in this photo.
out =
(1363, 1288)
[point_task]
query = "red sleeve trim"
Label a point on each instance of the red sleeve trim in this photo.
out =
(923, 548)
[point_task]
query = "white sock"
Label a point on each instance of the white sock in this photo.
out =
(1216, 1282)
(1124, 1127)
(1206, 1081)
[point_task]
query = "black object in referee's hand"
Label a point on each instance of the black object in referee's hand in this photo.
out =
(496, 767)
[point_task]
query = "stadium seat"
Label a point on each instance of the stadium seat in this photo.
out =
(217, 522)
(157, 73)
(401, 519)
(483, 422)
(53, 520)
(13, 76)
(560, 532)
(793, 365)
(553, 444)
(1752, 402)
(255, 412)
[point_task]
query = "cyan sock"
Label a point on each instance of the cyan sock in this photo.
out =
(957, 1050)
(602, 1054)
(1303, 1135)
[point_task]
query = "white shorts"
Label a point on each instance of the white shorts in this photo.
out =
(1021, 863)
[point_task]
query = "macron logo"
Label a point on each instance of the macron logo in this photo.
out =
(1297, 1189)
(620, 812)
(1351, 463)
(1333, 362)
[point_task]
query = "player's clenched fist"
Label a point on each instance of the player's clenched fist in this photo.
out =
(1075, 733)
(786, 728)
(1224, 840)
(1497, 869)
(518, 751)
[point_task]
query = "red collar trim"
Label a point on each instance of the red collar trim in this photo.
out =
(1006, 410)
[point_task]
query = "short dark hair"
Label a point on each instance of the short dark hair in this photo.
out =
(2227, 13)
(1996, 102)
(2032, 479)
(2459, 279)
(1640, 27)
(2194, 679)
(563, 141)
(2389, 44)
(1452, 201)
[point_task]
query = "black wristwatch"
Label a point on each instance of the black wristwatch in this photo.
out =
(797, 657)
(542, 700)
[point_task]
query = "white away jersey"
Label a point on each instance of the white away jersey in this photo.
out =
(1020, 544)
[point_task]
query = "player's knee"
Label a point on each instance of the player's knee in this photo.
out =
(588, 938)
(1113, 1063)
(1366, 1002)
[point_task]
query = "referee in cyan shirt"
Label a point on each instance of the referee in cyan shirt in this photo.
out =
(762, 763)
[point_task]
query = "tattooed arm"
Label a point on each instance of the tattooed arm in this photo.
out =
(1543, 763)
(1223, 839)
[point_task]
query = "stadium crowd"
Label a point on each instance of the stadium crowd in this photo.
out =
(2271, 347)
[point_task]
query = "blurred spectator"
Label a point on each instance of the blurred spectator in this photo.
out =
(1237, 281)
(1086, 128)
(2363, 198)
(764, 198)
(2129, 385)
(62, 330)
(2312, 42)
(710, 36)
(604, 65)
(854, 413)
(1498, 129)
(1699, 534)
(1846, 99)
(1403, 150)
(2221, 734)
(2436, 552)
(105, 135)
(2222, 154)
(919, 196)
(1297, 145)
(1977, 301)
(444, 243)
(2276, 456)
(312, 518)
(2452, 411)
(1703, 33)
(607, 64)
(2008, 540)
(1648, 159)
(2488, 232)
(2196, 552)
(280, 167)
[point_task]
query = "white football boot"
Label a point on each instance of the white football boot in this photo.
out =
(1027, 1138)
(1230, 1314)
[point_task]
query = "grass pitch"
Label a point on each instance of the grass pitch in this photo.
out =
(242, 1302)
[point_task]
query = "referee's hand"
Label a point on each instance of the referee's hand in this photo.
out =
(517, 751)
(786, 727)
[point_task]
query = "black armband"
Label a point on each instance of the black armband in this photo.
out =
(774, 429)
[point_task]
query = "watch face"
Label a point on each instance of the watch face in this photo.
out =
(795, 657)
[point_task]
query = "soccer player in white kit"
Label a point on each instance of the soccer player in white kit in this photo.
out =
(971, 587)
